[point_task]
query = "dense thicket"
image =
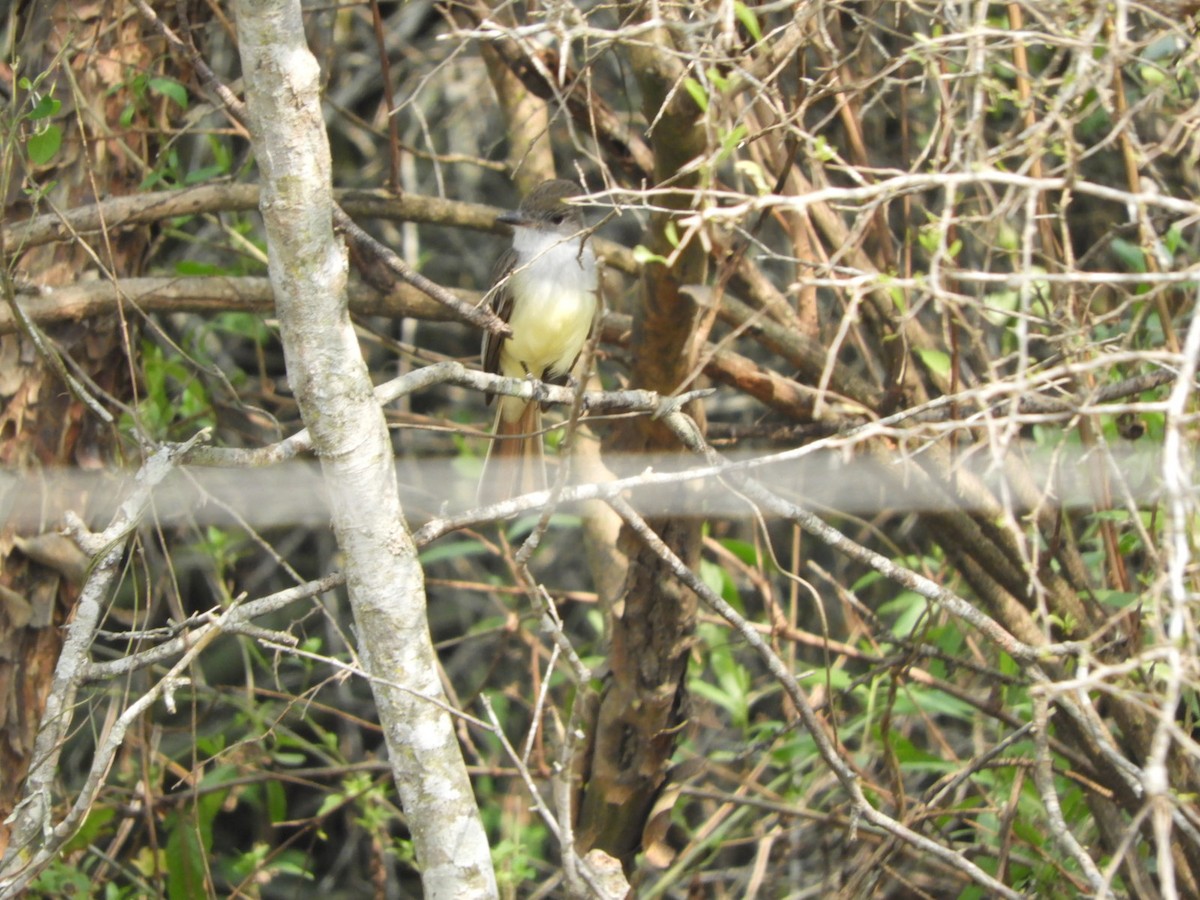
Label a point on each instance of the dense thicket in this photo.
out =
(933, 263)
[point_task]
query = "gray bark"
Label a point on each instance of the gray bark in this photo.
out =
(308, 269)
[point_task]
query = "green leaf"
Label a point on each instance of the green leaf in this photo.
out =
(276, 802)
(822, 150)
(671, 233)
(1152, 75)
(1117, 599)
(151, 180)
(731, 140)
(44, 145)
(171, 89)
(1130, 255)
(206, 173)
(331, 802)
(713, 576)
(645, 255)
(185, 857)
(1007, 237)
(452, 550)
(754, 172)
(696, 89)
(95, 823)
(46, 107)
(999, 307)
(716, 79)
(837, 679)
(1173, 239)
(197, 268)
(928, 238)
(749, 21)
(734, 704)
(937, 361)
(909, 608)
(896, 293)
(746, 551)
(61, 880)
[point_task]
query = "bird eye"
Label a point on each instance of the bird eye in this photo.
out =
(558, 218)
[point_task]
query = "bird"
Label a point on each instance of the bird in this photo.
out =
(545, 287)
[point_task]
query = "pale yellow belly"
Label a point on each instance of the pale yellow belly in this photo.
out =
(550, 327)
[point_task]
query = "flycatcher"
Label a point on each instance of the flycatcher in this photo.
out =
(544, 287)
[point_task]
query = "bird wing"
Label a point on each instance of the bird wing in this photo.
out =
(500, 298)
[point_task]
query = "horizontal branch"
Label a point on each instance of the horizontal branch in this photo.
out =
(444, 373)
(150, 208)
(227, 620)
(208, 295)
(739, 206)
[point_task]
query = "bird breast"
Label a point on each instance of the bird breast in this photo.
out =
(554, 302)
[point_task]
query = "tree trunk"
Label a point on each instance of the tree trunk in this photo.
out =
(643, 704)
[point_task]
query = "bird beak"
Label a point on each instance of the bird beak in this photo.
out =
(512, 218)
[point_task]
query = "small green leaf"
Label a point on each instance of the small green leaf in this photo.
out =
(185, 859)
(822, 150)
(754, 172)
(43, 145)
(1130, 254)
(730, 139)
(645, 255)
(749, 21)
(671, 232)
(999, 307)
(46, 107)
(696, 89)
(1007, 237)
(151, 180)
(1152, 75)
(329, 804)
(909, 608)
(94, 825)
(197, 268)
(937, 361)
(206, 173)
(1173, 239)
(746, 551)
(1117, 599)
(1167, 47)
(171, 89)
(929, 238)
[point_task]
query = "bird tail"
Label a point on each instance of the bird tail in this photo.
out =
(515, 462)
